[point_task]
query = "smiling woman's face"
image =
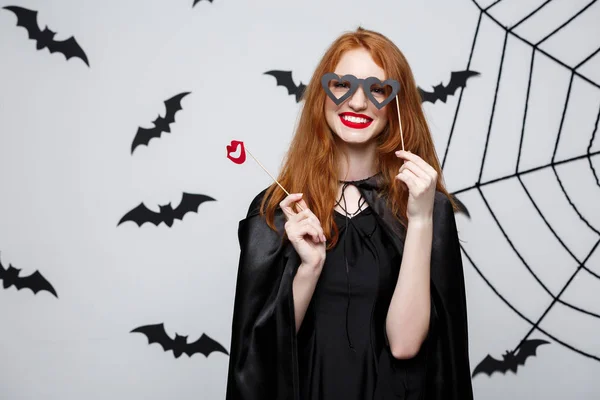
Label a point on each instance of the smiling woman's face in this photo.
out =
(356, 121)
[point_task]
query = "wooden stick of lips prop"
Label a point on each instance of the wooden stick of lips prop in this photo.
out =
(241, 158)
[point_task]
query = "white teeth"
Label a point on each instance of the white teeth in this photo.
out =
(356, 120)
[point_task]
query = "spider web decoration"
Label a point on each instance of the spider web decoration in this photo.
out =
(532, 173)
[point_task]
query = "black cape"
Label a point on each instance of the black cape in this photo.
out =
(263, 361)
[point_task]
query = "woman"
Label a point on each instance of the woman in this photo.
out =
(352, 286)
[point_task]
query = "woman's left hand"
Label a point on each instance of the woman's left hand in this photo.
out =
(421, 180)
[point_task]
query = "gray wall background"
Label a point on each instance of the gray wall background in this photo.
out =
(67, 177)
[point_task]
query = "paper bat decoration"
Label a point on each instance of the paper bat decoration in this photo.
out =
(35, 282)
(161, 124)
(510, 360)
(233, 154)
(284, 78)
(156, 334)
(197, 1)
(189, 203)
(28, 20)
(458, 79)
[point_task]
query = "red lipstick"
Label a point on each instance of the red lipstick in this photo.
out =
(355, 124)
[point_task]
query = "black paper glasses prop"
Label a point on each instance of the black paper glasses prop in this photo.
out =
(379, 93)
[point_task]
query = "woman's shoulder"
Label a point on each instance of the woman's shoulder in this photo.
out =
(254, 207)
(444, 222)
(254, 226)
(443, 210)
(441, 199)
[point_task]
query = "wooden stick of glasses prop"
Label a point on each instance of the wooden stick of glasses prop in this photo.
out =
(241, 158)
(400, 121)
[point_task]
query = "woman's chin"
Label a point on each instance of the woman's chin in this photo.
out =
(355, 137)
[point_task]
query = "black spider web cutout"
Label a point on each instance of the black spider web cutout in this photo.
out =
(518, 174)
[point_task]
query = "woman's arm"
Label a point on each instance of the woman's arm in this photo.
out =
(408, 316)
(306, 235)
(303, 288)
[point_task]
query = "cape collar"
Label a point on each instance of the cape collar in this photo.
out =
(370, 183)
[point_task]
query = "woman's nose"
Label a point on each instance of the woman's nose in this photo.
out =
(358, 100)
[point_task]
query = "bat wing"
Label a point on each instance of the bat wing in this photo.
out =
(204, 345)
(284, 78)
(489, 365)
(427, 96)
(143, 137)
(27, 19)
(35, 282)
(142, 214)
(189, 203)
(2, 271)
(69, 48)
(172, 106)
(528, 348)
(458, 79)
(156, 334)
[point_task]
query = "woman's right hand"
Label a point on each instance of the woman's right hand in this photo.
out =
(304, 231)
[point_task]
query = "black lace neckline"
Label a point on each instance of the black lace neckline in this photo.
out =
(359, 180)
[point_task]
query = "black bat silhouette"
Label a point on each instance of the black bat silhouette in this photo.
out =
(156, 334)
(35, 281)
(189, 203)
(284, 78)
(458, 79)
(28, 19)
(161, 124)
(510, 360)
(197, 1)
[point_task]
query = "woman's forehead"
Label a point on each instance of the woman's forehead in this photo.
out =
(359, 63)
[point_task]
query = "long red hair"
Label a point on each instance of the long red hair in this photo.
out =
(310, 163)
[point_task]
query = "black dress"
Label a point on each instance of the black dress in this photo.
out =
(345, 321)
